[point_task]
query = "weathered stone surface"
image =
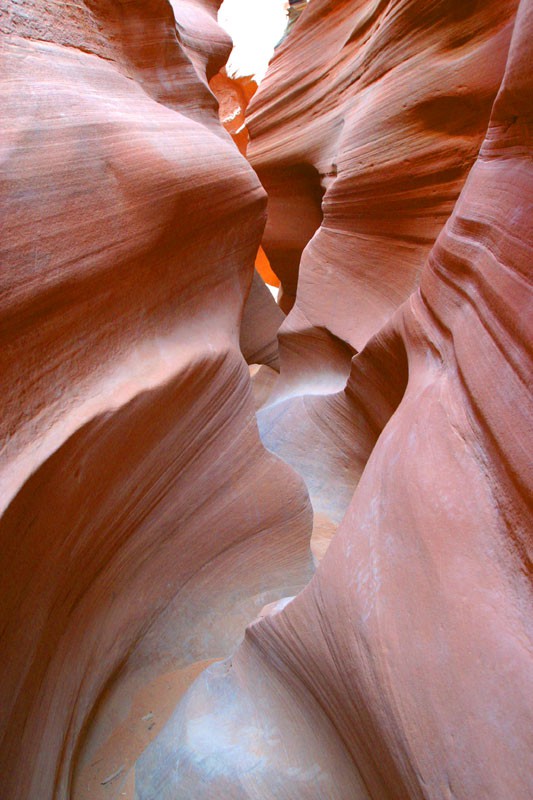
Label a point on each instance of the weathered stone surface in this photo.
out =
(382, 106)
(138, 533)
(415, 635)
(259, 326)
(144, 524)
(262, 318)
(377, 133)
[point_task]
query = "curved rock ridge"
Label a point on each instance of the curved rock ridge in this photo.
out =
(409, 654)
(138, 536)
(143, 522)
(363, 133)
(371, 114)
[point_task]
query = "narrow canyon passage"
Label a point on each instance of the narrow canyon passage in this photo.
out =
(251, 549)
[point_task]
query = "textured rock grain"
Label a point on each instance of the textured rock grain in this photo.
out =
(131, 467)
(415, 635)
(382, 106)
(363, 134)
(144, 524)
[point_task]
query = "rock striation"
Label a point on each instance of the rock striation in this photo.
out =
(378, 110)
(362, 134)
(233, 95)
(262, 318)
(146, 516)
(138, 535)
(403, 670)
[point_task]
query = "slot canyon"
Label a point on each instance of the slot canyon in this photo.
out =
(267, 423)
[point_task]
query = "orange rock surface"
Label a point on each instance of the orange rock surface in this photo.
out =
(233, 95)
(157, 493)
(363, 150)
(378, 109)
(404, 669)
(138, 534)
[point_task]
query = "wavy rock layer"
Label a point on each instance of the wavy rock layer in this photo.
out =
(143, 521)
(406, 663)
(363, 134)
(379, 107)
(135, 490)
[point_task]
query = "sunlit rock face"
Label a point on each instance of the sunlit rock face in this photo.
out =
(233, 95)
(138, 533)
(404, 669)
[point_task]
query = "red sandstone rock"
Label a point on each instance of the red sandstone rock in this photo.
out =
(259, 326)
(382, 106)
(262, 265)
(233, 95)
(384, 120)
(404, 670)
(138, 533)
(143, 521)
